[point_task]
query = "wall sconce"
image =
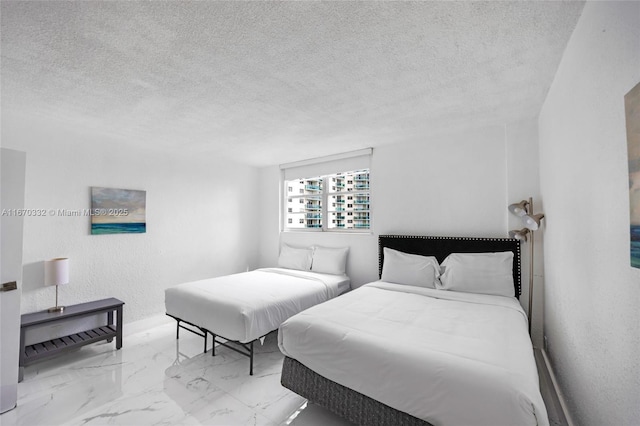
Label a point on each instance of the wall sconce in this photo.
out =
(520, 235)
(524, 210)
(532, 222)
(519, 209)
(56, 272)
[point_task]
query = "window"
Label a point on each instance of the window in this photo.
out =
(328, 194)
(314, 203)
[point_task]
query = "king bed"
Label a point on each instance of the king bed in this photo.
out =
(238, 310)
(440, 339)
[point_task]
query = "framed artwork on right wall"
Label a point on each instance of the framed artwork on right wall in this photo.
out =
(632, 116)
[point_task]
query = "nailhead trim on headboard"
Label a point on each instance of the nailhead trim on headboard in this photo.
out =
(430, 247)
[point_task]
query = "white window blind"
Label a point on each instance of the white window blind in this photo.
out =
(354, 160)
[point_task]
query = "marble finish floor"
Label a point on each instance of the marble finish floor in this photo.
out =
(158, 380)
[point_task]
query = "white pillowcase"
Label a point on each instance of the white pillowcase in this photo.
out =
(410, 269)
(485, 273)
(295, 258)
(329, 260)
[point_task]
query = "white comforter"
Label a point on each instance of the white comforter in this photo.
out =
(449, 358)
(246, 306)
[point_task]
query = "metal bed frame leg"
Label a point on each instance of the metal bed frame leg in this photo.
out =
(204, 331)
(251, 359)
(248, 347)
(205, 340)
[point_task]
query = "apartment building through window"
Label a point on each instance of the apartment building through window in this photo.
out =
(325, 202)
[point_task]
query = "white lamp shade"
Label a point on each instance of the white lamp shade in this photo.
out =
(519, 209)
(56, 271)
(532, 222)
(520, 235)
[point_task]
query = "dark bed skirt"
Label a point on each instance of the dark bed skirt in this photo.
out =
(345, 402)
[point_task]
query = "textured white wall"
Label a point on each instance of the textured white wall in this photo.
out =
(591, 293)
(451, 185)
(199, 218)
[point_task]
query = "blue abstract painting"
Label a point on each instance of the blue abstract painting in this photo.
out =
(118, 211)
(632, 112)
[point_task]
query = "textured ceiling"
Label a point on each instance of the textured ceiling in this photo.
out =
(271, 82)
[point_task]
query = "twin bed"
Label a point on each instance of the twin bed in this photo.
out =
(238, 310)
(416, 348)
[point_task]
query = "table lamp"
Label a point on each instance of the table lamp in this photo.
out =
(56, 272)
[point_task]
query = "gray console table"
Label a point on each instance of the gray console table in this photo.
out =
(38, 351)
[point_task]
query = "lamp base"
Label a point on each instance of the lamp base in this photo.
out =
(56, 309)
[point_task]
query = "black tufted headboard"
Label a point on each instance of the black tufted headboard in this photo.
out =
(441, 247)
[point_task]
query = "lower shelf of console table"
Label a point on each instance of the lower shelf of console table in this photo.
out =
(49, 348)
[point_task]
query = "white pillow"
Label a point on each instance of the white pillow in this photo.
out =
(410, 269)
(295, 258)
(329, 260)
(486, 273)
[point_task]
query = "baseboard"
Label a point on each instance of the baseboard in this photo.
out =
(561, 412)
(145, 324)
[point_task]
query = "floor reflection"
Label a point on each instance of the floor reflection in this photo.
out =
(156, 379)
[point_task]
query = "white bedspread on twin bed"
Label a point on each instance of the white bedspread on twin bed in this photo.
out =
(449, 358)
(246, 306)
